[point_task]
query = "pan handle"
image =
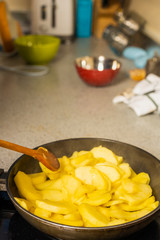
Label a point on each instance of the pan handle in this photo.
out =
(3, 176)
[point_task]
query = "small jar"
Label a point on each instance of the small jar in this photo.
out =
(153, 65)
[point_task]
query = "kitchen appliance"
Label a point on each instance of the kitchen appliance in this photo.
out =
(54, 17)
(139, 159)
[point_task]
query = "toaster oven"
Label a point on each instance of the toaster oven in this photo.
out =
(54, 17)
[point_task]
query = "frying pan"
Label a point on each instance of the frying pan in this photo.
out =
(138, 159)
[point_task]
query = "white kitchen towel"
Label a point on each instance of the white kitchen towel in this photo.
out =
(149, 84)
(144, 98)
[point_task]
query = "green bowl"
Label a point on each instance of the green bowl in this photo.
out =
(37, 49)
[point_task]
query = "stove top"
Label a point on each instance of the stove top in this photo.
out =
(14, 227)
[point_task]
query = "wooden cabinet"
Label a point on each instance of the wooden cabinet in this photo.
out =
(103, 16)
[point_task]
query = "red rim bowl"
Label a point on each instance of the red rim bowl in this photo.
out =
(97, 71)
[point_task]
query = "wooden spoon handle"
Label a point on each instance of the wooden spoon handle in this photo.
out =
(18, 148)
(41, 154)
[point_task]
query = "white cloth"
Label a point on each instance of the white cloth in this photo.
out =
(144, 97)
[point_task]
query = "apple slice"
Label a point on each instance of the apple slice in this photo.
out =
(29, 206)
(52, 195)
(25, 187)
(90, 175)
(71, 184)
(42, 213)
(55, 207)
(50, 184)
(111, 172)
(140, 206)
(38, 178)
(98, 198)
(141, 178)
(126, 170)
(105, 153)
(92, 216)
(83, 160)
(77, 223)
(50, 174)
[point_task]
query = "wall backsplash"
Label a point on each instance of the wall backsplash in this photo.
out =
(18, 5)
(150, 11)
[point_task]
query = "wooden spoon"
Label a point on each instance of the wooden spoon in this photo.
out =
(41, 154)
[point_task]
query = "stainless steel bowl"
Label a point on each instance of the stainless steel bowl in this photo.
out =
(99, 63)
(116, 39)
(97, 71)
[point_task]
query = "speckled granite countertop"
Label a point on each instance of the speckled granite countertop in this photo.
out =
(38, 110)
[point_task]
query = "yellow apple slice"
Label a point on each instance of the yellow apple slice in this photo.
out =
(142, 178)
(91, 215)
(80, 193)
(76, 223)
(38, 178)
(25, 186)
(105, 153)
(111, 172)
(50, 184)
(90, 175)
(50, 174)
(71, 184)
(55, 207)
(43, 213)
(73, 216)
(129, 186)
(137, 207)
(98, 198)
(52, 195)
(83, 160)
(116, 222)
(143, 192)
(65, 165)
(113, 202)
(29, 206)
(126, 170)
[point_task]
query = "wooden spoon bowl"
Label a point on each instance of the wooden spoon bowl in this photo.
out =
(41, 154)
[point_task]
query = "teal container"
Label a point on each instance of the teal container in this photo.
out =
(84, 18)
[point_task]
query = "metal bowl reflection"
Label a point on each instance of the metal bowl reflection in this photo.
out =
(97, 71)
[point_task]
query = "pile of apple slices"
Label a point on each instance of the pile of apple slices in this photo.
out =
(90, 189)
